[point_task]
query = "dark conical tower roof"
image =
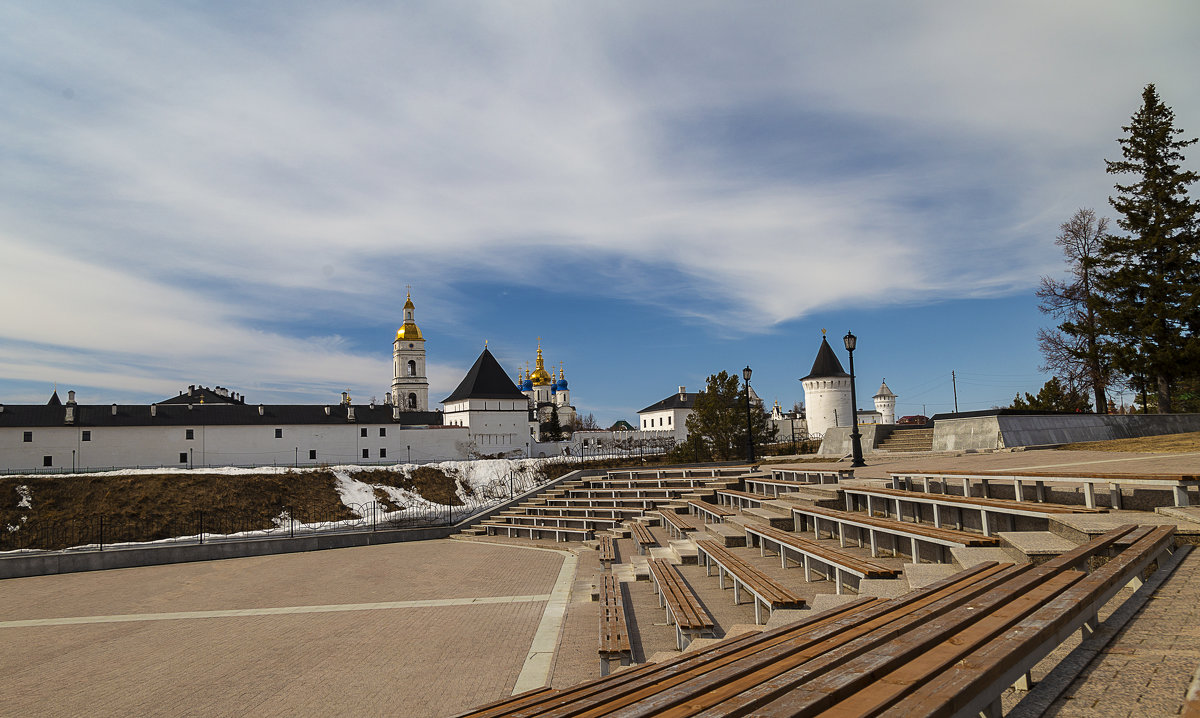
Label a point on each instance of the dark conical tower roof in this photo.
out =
(486, 380)
(826, 364)
(54, 400)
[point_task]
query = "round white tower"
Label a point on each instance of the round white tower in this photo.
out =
(827, 392)
(885, 404)
(410, 387)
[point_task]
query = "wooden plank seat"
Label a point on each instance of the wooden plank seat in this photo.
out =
(740, 499)
(608, 550)
(586, 522)
(642, 536)
(809, 476)
(614, 647)
(536, 532)
(916, 534)
(664, 483)
(836, 562)
(886, 499)
(635, 493)
(585, 511)
(709, 512)
(948, 649)
(678, 525)
(643, 504)
(766, 592)
(683, 610)
(1178, 484)
(705, 472)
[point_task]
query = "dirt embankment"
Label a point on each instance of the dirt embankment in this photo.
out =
(1164, 444)
(54, 512)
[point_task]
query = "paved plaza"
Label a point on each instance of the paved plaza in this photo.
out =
(436, 627)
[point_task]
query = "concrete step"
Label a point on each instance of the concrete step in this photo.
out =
(923, 574)
(473, 532)
(883, 587)
(685, 551)
(728, 535)
(1035, 546)
(699, 495)
(824, 601)
(773, 517)
(966, 556)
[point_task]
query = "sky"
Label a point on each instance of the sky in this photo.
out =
(241, 194)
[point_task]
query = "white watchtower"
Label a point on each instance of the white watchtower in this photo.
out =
(827, 392)
(410, 387)
(885, 404)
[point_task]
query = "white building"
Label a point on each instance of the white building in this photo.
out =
(885, 404)
(669, 416)
(827, 392)
(495, 413)
(546, 394)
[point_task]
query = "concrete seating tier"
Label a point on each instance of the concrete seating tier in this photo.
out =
(872, 499)
(642, 537)
(560, 533)
(678, 525)
(765, 591)
(663, 483)
(915, 534)
(634, 493)
(585, 522)
(585, 511)
(709, 512)
(839, 561)
(711, 472)
(740, 499)
(771, 487)
(1177, 484)
(614, 634)
(807, 476)
(683, 610)
(951, 648)
(604, 503)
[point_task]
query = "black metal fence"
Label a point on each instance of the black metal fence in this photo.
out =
(100, 532)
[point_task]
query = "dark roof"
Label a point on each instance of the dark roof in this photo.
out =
(827, 363)
(486, 380)
(209, 415)
(203, 395)
(54, 400)
(674, 401)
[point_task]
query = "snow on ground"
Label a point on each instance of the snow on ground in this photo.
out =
(26, 501)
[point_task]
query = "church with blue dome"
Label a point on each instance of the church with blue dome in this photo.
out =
(546, 393)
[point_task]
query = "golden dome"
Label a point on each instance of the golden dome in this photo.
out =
(540, 376)
(410, 331)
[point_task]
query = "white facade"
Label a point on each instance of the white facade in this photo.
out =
(668, 418)
(410, 387)
(827, 403)
(495, 426)
(82, 447)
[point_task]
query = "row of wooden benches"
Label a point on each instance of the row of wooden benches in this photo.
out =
(948, 649)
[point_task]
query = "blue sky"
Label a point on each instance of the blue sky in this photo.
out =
(239, 194)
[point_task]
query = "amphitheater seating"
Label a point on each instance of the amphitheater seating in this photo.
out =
(766, 592)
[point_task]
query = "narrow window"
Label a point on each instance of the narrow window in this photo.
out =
(383, 431)
(412, 401)
(366, 453)
(183, 457)
(28, 437)
(383, 453)
(363, 432)
(312, 454)
(47, 461)
(87, 436)
(412, 368)
(279, 433)
(191, 434)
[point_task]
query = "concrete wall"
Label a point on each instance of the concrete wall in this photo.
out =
(837, 439)
(967, 434)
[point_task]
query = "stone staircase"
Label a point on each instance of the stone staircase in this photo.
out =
(908, 440)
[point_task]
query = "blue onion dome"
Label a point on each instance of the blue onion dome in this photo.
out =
(527, 385)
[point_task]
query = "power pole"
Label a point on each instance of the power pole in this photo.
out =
(954, 385)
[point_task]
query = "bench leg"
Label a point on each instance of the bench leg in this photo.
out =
(1040, 491)
(807, 570)
(916, 551)
(757, 612)
(937, 517)
(1089, 494)
(837, 579)
(1018, 490)
(874, 546)
(1025, 682)
(983, 520)
(1114, 495)
(1089, 627)
(1181, 496)
(737, 591)
(994, 710)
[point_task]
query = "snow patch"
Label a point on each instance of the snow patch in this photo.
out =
(26, 501)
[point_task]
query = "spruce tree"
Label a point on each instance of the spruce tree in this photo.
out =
(1147, 278)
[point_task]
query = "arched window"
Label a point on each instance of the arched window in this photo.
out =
(412, 368)
(412, 401)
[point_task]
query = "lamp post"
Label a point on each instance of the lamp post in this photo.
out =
(749, 424)
(855, 437)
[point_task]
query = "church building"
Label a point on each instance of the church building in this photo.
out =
(547, 394)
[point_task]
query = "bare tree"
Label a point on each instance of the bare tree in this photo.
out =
(1074, 351)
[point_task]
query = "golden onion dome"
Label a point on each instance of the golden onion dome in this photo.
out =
(410, 331)
(540, 376)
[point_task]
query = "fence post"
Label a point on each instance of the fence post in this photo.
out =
(101, 532)
(291, 522)
(374, 520)
(200, 515)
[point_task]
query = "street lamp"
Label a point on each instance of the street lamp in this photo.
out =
(749, 424)
(855, 437)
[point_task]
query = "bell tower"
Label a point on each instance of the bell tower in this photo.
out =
(410, 387)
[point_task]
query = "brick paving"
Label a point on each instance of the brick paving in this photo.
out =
(419, 661)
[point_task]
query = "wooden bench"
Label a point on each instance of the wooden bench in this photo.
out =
(643, 504)
(839, 561)
(608, 550)
(804, 476)
(535, 532)
(772, 487)
(887, 498)
(915, 533)
(678, 525)
(642, 536)
(585, 522)
(614, 635)
(766, 592)
(683, 610)
(741, 499)
(708, 512)
(1178, 484)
